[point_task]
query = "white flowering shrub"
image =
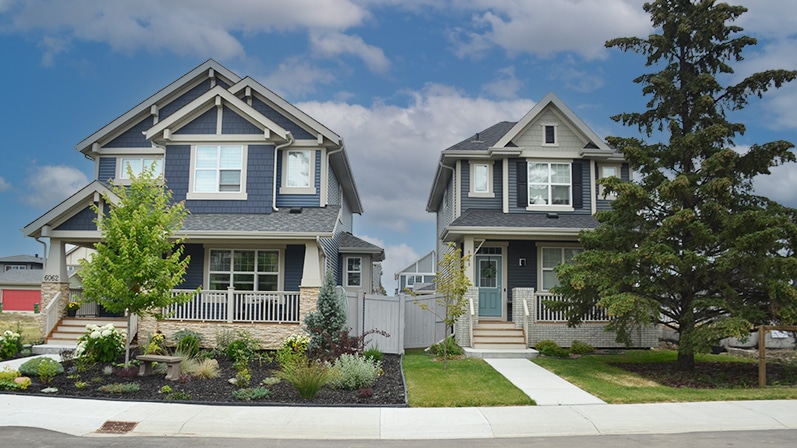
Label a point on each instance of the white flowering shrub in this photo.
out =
(101, 344)
(10, 344)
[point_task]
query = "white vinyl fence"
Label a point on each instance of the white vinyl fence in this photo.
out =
(408, 325)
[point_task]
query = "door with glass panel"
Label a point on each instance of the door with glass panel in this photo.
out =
(489, 281)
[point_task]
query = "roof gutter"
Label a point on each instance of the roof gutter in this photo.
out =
(290, 141)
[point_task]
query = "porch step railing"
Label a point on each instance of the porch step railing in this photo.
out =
(237, 306)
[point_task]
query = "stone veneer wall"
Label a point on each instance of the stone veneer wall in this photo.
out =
(269, 335)
(49, 291)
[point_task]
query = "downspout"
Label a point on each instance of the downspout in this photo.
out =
(329, 153)
(44, 256)
(290, 141)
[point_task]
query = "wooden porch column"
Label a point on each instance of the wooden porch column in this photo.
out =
(470, 248)
(311, 273)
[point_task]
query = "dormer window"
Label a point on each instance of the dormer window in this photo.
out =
(549, 137)
(549, 184)
(481, 180)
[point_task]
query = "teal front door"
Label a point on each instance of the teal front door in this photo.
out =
(488, 279)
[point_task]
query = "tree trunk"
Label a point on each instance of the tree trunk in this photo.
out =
(686, 345)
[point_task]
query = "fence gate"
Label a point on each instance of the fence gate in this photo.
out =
(422, 328)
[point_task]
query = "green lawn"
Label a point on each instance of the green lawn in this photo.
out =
(467, 382)
(614, 385)
(24, 324)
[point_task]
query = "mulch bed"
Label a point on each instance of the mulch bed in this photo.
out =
(387, 391)
(714, 375)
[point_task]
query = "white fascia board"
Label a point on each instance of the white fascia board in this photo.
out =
(69, 206)
(529, 233)
(145, 105)
(286, 107)
(232, 235)
(203, 100)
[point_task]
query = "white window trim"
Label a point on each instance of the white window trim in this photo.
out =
(362, 276)
(281, 264)
(121, 169)
(540, 247)
(610, 196)
(555, 134)
(481, 194)
(222, 195)
(549, 207)
(284, 188)
(16, 267)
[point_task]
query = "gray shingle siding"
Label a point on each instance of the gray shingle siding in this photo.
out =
(297, 131)
(494, 203)
(82, 220)
(260, 161)
(232, 123)
(204, 124)
(294, 267)
(300, 200)
(133, 137)
(195, 274)
(330, 246)
(184, 99)
(333, 188)
(107, 169)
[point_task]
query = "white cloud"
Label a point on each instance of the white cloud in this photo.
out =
(546, 27)
(334, 44)
(50, 184)
(394, 150)
(397, 256)
(779, 185)
(297, 76)
(506, 86)
(4, 185)
(206, 28)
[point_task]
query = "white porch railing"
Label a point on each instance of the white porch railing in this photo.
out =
(545, 314)
(472, 321)
(53, 313)
(526, 319)
(237, 306)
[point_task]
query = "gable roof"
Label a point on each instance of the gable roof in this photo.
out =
(69, 206)
(22, 259)
(352, 245)
(302, 223)
(145, 106)
(22, 277)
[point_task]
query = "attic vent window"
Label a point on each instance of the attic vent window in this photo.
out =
(295, 210)
(552, 215)
(477, 138)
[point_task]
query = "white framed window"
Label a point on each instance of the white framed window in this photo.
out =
(549, 135)
(481, 180)
(354, 271)
(137, 164)
(218, 172)
(298, 171)
(551, 257)
(245, 270)
(550, 185)
(605, 171)
(16, 267)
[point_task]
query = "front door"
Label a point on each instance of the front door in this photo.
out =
(488, 280)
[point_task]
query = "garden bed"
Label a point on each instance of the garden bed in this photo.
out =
(387, 391)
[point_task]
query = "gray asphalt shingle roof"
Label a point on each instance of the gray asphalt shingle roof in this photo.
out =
(22, 277)
(308, 220)
(496, 218)
(486, 138)
(22, 259)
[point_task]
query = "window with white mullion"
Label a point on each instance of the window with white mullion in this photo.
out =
(245, 270)
(550, 258)
(354, 271)
(217, 169)
(138, 164)
(549, 183)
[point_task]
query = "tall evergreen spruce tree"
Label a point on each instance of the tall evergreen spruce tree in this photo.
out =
(138, 262)
(326, 323)
(690, 245)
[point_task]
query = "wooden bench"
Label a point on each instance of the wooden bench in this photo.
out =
(172, 365)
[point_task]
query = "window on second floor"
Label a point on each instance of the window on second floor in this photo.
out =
(481, 180)
(137, 164)
(298, 171)
(549, 184)
(551, 257)
(354, 271)
(245, 270)
(607, 171)
(218, 172)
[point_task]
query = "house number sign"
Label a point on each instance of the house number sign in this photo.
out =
(52, 278)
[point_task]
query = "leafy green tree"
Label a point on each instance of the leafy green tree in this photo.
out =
(452, 284)
(690, 245)
(325, 325)
(138, 262)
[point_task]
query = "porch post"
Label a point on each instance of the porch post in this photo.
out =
(311, 273)
(55, 281)
(470, 248)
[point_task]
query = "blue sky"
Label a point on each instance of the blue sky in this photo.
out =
(400, 80)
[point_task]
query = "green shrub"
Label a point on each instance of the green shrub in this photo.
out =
(325, 324)
(101, 344)
(292, 349)
(354, 372)
(188, 342)
(31, 366)
(224, 337)
(179, 395)
(545, 344)
(580, 348)
(243, 377)
(8, 385)
(156, 345)
(307, 377)
(119, 388)
(10, 344)
(251, 394)
(48, 368)
(452, 349)
(243, 347)
(374, 353)
(270, 381)
(206, 369)
(8, 374)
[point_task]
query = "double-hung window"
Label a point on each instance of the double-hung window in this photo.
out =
(137, 164)
(218, 170)
(245, 270)
(481, 180)
(607, 171)
(549, 184)
(551, 257)
(298, 174)
(354, 271)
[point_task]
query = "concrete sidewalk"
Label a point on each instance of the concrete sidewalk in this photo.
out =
(544, 387)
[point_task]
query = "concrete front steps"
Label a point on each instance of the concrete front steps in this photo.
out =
(499, 340)
(70, 329)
